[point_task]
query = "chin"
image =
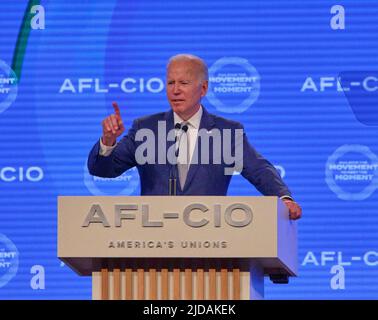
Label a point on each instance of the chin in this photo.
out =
(178, 109)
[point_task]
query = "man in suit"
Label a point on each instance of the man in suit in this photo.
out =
(150, 139)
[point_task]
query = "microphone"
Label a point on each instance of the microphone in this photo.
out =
(184, 129)
(172, 190)
(172, 175)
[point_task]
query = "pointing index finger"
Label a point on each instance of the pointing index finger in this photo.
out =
(116, 109)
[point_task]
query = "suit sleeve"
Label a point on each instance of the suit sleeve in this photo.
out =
(121, 159)
(261, 173)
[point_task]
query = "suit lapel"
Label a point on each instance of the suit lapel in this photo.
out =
(168, 117)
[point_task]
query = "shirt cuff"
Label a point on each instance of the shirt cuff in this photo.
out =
(286, 198)
(105, 150)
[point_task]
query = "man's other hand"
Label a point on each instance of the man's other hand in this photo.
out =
(295, 211)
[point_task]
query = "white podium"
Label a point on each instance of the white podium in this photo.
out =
(177, 247)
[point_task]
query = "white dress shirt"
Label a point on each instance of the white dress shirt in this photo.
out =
(193, 127)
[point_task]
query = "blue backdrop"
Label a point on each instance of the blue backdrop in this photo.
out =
(300, 75)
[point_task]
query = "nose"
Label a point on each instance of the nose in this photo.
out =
(176, 88)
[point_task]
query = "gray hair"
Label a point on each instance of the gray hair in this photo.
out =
(200, 63)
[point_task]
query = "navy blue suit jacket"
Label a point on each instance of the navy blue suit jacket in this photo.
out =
(202, 179)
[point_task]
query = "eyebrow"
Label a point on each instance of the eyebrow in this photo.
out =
(182, 80)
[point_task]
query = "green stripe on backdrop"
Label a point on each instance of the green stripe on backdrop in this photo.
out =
(22, 39)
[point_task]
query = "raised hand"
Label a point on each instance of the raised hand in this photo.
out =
(112, 127)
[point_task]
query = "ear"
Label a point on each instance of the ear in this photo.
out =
(204, 88)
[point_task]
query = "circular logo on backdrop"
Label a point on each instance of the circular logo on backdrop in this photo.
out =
(352, 172)
(234, 85)
(8, 86)
(125, 184)
(8, 260)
